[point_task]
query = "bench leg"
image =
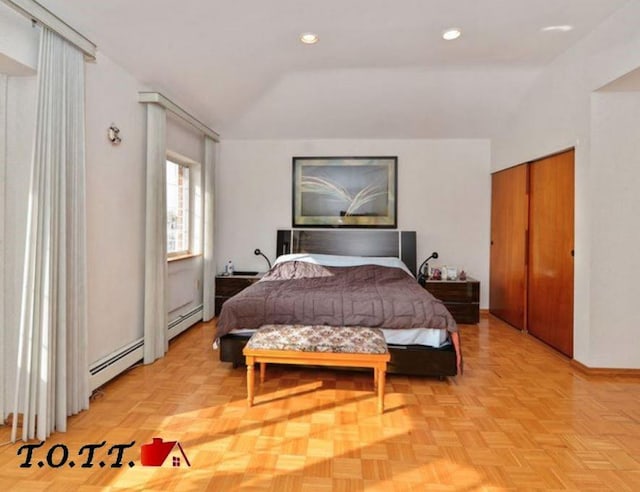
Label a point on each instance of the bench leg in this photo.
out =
(375, 377)
(381, 379)
(250, 380)
(263, 370)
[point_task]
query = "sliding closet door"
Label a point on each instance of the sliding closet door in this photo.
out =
(551, 220)
(509, 215)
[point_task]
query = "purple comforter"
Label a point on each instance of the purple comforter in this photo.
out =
(297, 292)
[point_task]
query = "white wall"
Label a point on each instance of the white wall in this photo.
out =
(18, 43)
(116, 182)
(115, 207)
(615, 157)
(183, 139)
(185, 276)
(555, 115)
(444, 191)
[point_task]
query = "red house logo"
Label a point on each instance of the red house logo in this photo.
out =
(156, 452)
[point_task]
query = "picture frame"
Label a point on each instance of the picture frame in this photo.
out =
(345, 192)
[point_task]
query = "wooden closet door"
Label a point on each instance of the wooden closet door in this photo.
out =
(551, 234)
(509, 216)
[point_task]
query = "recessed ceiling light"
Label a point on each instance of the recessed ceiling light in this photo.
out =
(559, 28)
(309, 38)
(451, 34)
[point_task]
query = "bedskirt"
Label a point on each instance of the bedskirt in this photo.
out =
(413, 360)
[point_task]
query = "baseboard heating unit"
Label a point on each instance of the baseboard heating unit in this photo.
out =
(122, 359)
(115, 363)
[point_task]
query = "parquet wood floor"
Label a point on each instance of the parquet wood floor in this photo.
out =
(520, 418)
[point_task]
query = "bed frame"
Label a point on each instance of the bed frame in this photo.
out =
(405, 359)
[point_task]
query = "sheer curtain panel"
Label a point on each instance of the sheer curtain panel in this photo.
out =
(209, 292)
(4, 404)
(52, 373)
(156, 340)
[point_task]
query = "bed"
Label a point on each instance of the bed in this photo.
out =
(350, 278)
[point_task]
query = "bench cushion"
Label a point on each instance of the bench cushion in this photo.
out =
(319, 338)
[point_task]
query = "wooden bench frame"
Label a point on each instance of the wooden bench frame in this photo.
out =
(378, 362)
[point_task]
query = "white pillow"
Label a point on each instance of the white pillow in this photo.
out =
(344, 261)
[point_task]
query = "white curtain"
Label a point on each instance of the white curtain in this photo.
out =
(3, 323)
(209, 273)
(156, 340)
(52, 373)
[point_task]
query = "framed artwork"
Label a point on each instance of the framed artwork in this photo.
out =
(345, 192)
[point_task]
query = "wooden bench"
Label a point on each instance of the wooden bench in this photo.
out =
(317, 345)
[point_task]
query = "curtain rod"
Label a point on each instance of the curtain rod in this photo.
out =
(37, 13)
(157, 98)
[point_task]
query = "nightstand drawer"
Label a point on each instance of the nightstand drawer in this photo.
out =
(464, 313)
(229, 286)
(461, 297)
(454, 290)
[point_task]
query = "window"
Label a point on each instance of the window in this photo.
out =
(178, 215)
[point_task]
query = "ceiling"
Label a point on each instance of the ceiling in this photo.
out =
(380, 70)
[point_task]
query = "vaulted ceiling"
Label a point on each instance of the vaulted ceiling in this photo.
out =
(380, 69)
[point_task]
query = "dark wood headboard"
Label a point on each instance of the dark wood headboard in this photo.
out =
(401, 244)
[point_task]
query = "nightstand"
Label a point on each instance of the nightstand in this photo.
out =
(461, 297)
(229, 285)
